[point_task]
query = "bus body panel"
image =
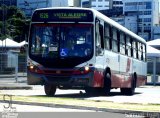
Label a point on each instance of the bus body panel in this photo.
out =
(123, 69)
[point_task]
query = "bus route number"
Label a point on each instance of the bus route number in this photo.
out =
(43, 15)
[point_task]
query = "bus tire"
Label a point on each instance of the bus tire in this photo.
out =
(49, 89)
(107, 84)
(130, 91)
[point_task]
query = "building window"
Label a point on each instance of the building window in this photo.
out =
(148, 5)
(147, 29)
(117, 2)
(100, 6)
(144, 12)
(93, 5)
(147, 19)
(140, 20)
(147, 12)
(106, 6)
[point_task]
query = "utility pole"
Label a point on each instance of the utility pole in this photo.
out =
(4, 23)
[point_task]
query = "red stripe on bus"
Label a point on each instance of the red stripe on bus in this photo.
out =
(98, 79)
(122, 81)
(141, 80)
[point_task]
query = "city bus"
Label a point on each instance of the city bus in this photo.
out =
(80, 48)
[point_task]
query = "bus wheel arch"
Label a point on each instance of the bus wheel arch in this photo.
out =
(131, 90)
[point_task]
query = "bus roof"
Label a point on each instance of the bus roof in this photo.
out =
(103, 17)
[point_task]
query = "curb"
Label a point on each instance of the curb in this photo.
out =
(144, 113)
(3, 76)
(10, 87)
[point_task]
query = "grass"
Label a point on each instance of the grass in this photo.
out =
(85, 103)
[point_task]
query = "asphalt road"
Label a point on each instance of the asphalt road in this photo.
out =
(17, 111)
(143, 95)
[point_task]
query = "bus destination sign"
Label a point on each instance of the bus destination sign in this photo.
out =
(70, 15)
(62, 15)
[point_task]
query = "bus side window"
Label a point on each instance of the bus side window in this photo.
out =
(128, 46)
(140, 51)
(122, 43)
(115, 40)
(134, 49)
(144, 52)
(142, 58)
(99, 38)
(107, 36)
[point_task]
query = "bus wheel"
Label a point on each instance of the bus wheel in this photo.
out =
(130, 91)
(107, 84)
(49, 89)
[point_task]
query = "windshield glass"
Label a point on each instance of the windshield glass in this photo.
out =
(61, 40)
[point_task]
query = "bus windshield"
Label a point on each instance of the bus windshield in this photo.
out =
(61, 41)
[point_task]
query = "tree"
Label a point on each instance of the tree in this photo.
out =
(14, 25)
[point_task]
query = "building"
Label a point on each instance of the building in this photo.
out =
(76, 3)
(141, 16)
(112, 12)
(156, 32)
(117, 4)
(28, 6)
(8, 2)
(100, 4)
(86, 3)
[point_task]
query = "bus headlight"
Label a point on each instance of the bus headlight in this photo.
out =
(35, 69)
(31, 67)
(86, 69)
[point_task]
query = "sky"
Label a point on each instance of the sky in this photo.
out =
(159, 6)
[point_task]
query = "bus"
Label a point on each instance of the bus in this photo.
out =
(80, 48)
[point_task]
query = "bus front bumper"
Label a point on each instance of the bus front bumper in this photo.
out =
(84, 80)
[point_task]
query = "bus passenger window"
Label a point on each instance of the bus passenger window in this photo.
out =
(134, 46)
(140, 51)
(101, 36)
(99, 39)
(122, 43)
(144, 52)
(115, 41)
(107, 36)
(128, 46)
